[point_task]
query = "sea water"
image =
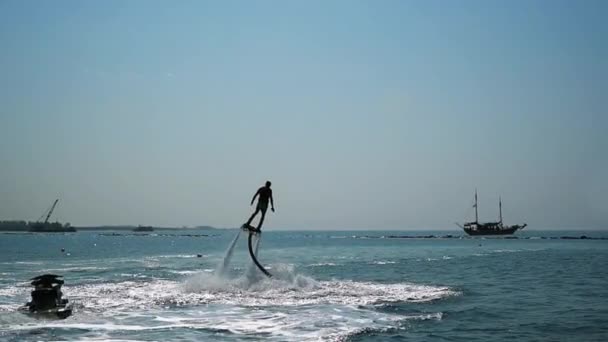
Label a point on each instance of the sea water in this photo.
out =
(326, 285)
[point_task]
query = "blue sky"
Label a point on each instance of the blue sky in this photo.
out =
(364, 114)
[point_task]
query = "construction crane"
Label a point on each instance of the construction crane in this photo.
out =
(48, 215)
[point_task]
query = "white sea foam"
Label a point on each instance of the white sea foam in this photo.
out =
(180, 256)
(133, 275)
(8, 307)
(306, 323)
(189, 272)
(286, 288)
(382, 262)
(287, 307)
(14, 291)
(320, 264)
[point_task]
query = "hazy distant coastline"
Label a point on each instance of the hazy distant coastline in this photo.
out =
(129, 227)
(21, 226)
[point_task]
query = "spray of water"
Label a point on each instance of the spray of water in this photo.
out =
(252, 280)
(223, 265)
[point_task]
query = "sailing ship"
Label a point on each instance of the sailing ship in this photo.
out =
(489, 228)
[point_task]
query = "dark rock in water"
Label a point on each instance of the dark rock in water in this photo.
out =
(583, 237)
(199, 255)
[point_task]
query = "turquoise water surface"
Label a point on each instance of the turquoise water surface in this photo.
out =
(327, 285)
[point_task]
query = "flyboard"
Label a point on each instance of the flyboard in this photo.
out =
(252, 231)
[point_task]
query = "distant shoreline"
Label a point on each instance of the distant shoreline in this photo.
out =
(155, 228)
(27, 228)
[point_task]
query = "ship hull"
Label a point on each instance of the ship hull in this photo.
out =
(503, 231)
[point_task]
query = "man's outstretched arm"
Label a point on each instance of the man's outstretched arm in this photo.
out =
(271, 203)
(254, 196)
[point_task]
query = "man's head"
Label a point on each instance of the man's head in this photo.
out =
(268, 184)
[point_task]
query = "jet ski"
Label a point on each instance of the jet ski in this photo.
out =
(46, 298)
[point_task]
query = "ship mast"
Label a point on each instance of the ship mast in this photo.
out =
(476, 219)
(500, 208)
(51, 211)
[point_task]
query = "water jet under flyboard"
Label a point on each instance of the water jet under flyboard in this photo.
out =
(253, 246)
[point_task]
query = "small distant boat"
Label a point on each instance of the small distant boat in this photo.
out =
(47, 301)
(143, 229)
(489, 228)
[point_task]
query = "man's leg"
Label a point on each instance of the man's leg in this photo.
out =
(252, 216)
(261, 219)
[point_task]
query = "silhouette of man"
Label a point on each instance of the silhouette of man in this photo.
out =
(265, 194)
